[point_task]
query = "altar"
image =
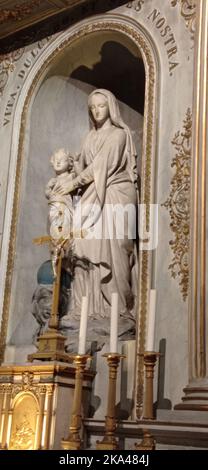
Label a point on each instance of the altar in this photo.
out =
(139, 69)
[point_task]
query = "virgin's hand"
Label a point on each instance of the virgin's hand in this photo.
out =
(63, 188)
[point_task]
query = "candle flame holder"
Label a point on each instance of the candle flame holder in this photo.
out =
(148, 441)
(51, 343)
(150, 358)
(74, 441)
(109, 441)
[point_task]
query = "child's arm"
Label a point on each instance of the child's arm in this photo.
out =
(49, 187)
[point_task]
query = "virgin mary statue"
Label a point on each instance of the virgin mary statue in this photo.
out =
(106, 256)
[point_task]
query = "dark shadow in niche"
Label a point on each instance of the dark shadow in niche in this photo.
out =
(118, 71)
(162, 403)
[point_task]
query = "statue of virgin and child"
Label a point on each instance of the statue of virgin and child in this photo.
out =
(104, 180)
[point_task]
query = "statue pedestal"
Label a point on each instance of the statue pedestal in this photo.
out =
(35, 404)
(51, 348)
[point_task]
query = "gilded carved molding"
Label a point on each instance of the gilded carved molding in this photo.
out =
(188, 12)
(178, 204)
(23, 436)
(19, 11)
(5, 388)
(26, 383)
(27, 396)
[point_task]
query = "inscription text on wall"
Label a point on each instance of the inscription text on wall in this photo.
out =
(168, 37)
(164, 29)
(21, 77)
(137, 5)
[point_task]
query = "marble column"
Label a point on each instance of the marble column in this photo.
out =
(196, 393)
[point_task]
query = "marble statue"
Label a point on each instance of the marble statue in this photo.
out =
(104, 263)
(59, 228)
(60, 206)
(41, 307)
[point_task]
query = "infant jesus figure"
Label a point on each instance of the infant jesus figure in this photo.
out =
(60, 214)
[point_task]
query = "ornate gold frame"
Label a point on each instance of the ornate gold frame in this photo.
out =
(132, 30)
(178, 205)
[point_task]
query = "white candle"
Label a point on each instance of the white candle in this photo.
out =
(114, 323)
(151, 321)
(83, 326)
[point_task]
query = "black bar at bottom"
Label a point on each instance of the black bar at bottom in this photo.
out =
(94, 460)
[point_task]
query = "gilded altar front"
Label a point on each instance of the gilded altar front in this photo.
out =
(33, 411)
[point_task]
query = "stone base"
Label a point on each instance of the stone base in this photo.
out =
(195, 398)
(167, 434)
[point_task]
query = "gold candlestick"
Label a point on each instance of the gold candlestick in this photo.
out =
(54, 320)
(148, 441)
(74, 441)
(150, 359)
(51, 344)
(109, 441)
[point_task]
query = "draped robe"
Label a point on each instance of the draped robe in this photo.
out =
(107, 263)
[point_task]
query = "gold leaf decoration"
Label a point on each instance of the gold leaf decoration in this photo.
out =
(178, 205)
(188, 12)
(23, 436)
(19, 11)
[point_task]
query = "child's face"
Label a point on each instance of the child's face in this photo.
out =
(61, 162)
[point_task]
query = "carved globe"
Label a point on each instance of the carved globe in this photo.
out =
(45, 275)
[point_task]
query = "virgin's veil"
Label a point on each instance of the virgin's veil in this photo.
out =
(117, 121)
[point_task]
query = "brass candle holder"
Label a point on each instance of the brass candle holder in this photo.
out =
(150, 358)
(148, 441)
(51, 344)
(74, 441)
(109, 442)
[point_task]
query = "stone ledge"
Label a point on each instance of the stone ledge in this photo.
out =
(194, 435)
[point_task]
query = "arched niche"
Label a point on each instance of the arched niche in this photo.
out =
(70, 67)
